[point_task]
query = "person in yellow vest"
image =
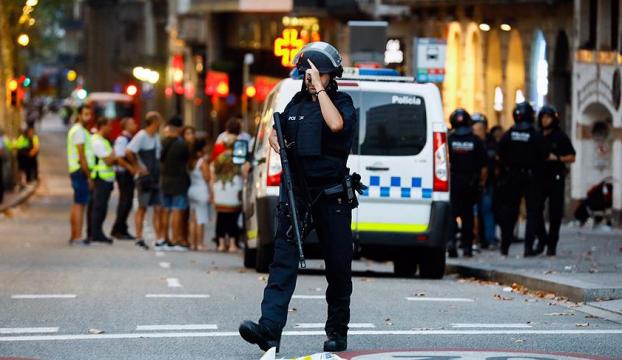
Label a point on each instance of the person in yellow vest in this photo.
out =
(103, 175)
(80, 160)
(27, 147)
(5, 148)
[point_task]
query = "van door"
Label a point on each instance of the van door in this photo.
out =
(395, 163)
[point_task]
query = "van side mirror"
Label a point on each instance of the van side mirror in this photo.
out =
(240, 152)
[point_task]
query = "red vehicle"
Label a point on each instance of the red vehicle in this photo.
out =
(114, 106)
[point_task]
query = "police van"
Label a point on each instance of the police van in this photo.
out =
(400, 151)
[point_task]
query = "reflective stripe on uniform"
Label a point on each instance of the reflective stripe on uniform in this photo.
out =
(389, 227)
(73, 159)
(101, 169)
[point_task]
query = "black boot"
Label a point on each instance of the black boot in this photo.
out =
(335, 343)
(258, 334)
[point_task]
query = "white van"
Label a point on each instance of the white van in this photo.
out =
(399, 150)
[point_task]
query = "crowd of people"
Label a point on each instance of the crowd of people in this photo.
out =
(182, 178)
(492, 171)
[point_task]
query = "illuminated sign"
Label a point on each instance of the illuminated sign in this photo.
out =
(287, 46)
(429, 59)
(217, 84)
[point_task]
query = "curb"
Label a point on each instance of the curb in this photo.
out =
(575, 290)
(20, 198)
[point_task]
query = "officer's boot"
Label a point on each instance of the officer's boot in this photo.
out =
(258, 334)
(336, 343)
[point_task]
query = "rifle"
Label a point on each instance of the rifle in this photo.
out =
(286, 178)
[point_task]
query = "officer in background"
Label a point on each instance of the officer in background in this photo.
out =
(125, 180)
(560, 152)
(318, 124)
(27, 147)
(522, 152)
(103, 176)
(467, 156)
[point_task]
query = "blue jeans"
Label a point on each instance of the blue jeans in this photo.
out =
(487, 216)
(175, 202)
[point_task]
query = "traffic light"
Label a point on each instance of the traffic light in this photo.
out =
(131, 90)
(13, 97)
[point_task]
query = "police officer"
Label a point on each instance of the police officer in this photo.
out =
(103, 176)
(318, 126)
(559, 153)
(468, 175)
(522, 153)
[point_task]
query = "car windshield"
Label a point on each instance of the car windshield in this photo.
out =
(395, 124)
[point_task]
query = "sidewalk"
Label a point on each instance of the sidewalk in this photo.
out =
(588, 267)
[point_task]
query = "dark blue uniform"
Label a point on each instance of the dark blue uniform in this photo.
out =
(467, 157)
(318, 158)
(521, 152)
(552, 184)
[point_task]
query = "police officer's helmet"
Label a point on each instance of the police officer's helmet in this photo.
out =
(459, 118)
(551, 111)
(323, 55)
(479, 117)
(523, 113)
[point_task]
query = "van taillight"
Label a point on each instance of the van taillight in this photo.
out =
(274, 168)
(441, 176)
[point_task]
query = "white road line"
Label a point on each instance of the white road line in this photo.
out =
(173, 282)
(304, 333)
(44, 296)
(33, 330)
(491, 326)
(165, 265)
(422, 298)
(159, 253)
(176, 327)
(309, 297)
(321, 326)
(180, 296)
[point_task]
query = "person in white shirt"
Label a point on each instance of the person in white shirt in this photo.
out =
(200, 193)
(125, 181)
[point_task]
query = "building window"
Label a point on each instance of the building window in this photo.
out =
(587, 29)
(539, 72)
(615, 24)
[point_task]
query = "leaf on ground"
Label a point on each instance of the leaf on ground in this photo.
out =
(549, 296)
(502, 297)
(292, 310)
(518, 341)
(420, 294)
(583, 324)
(591, 317)
(388, 322)
(262, 278)
(96, 331)
(594, 270)
(241, 270)
(366, 279)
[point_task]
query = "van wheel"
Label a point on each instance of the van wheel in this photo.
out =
(250, 257)
(264, 258)
(404, 267)
(432, 264)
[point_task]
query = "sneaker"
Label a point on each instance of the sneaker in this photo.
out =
(81, 242)
(161, 245)
(179, 248)
(141, 243)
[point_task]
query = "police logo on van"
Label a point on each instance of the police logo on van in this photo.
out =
(406, 100)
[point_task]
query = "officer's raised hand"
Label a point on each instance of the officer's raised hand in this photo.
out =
(316, 83)
(313, 79)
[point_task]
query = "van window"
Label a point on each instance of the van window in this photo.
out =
(395, 124)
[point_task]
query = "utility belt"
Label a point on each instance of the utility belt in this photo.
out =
(347, 189)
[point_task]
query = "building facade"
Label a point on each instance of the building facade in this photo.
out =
(596, 98)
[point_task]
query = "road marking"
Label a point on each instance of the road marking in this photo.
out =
(34, 330)
(321, 326)
(309, 297)
(44, 296)
(165, 265)
(304, 333)
(173, 282)
(176, 327)
(159, 253)
(491, 326)
(180, 296)
(423, 298)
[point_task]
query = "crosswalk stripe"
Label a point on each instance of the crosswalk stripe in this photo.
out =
(181, 296)
(176, 327)
(32, 330)
(422, 298)
(308, 297)
(491, 326)
(173, 282)
(321, 326)
(44, 296)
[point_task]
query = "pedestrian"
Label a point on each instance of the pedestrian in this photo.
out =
(321, 148)
(468, 176)
(522, 152)
(124, 174)
(190, 137)
(485, 212)
(80, 161)
(27, 147)
(200, 194)
(103, 176)
(552, 184)
(175, 182)
(233, 127)
(227, 184)
(143, 153)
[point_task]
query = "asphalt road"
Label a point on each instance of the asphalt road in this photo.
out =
(120, 302)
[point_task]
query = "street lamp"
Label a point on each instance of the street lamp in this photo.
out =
(23, 40)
